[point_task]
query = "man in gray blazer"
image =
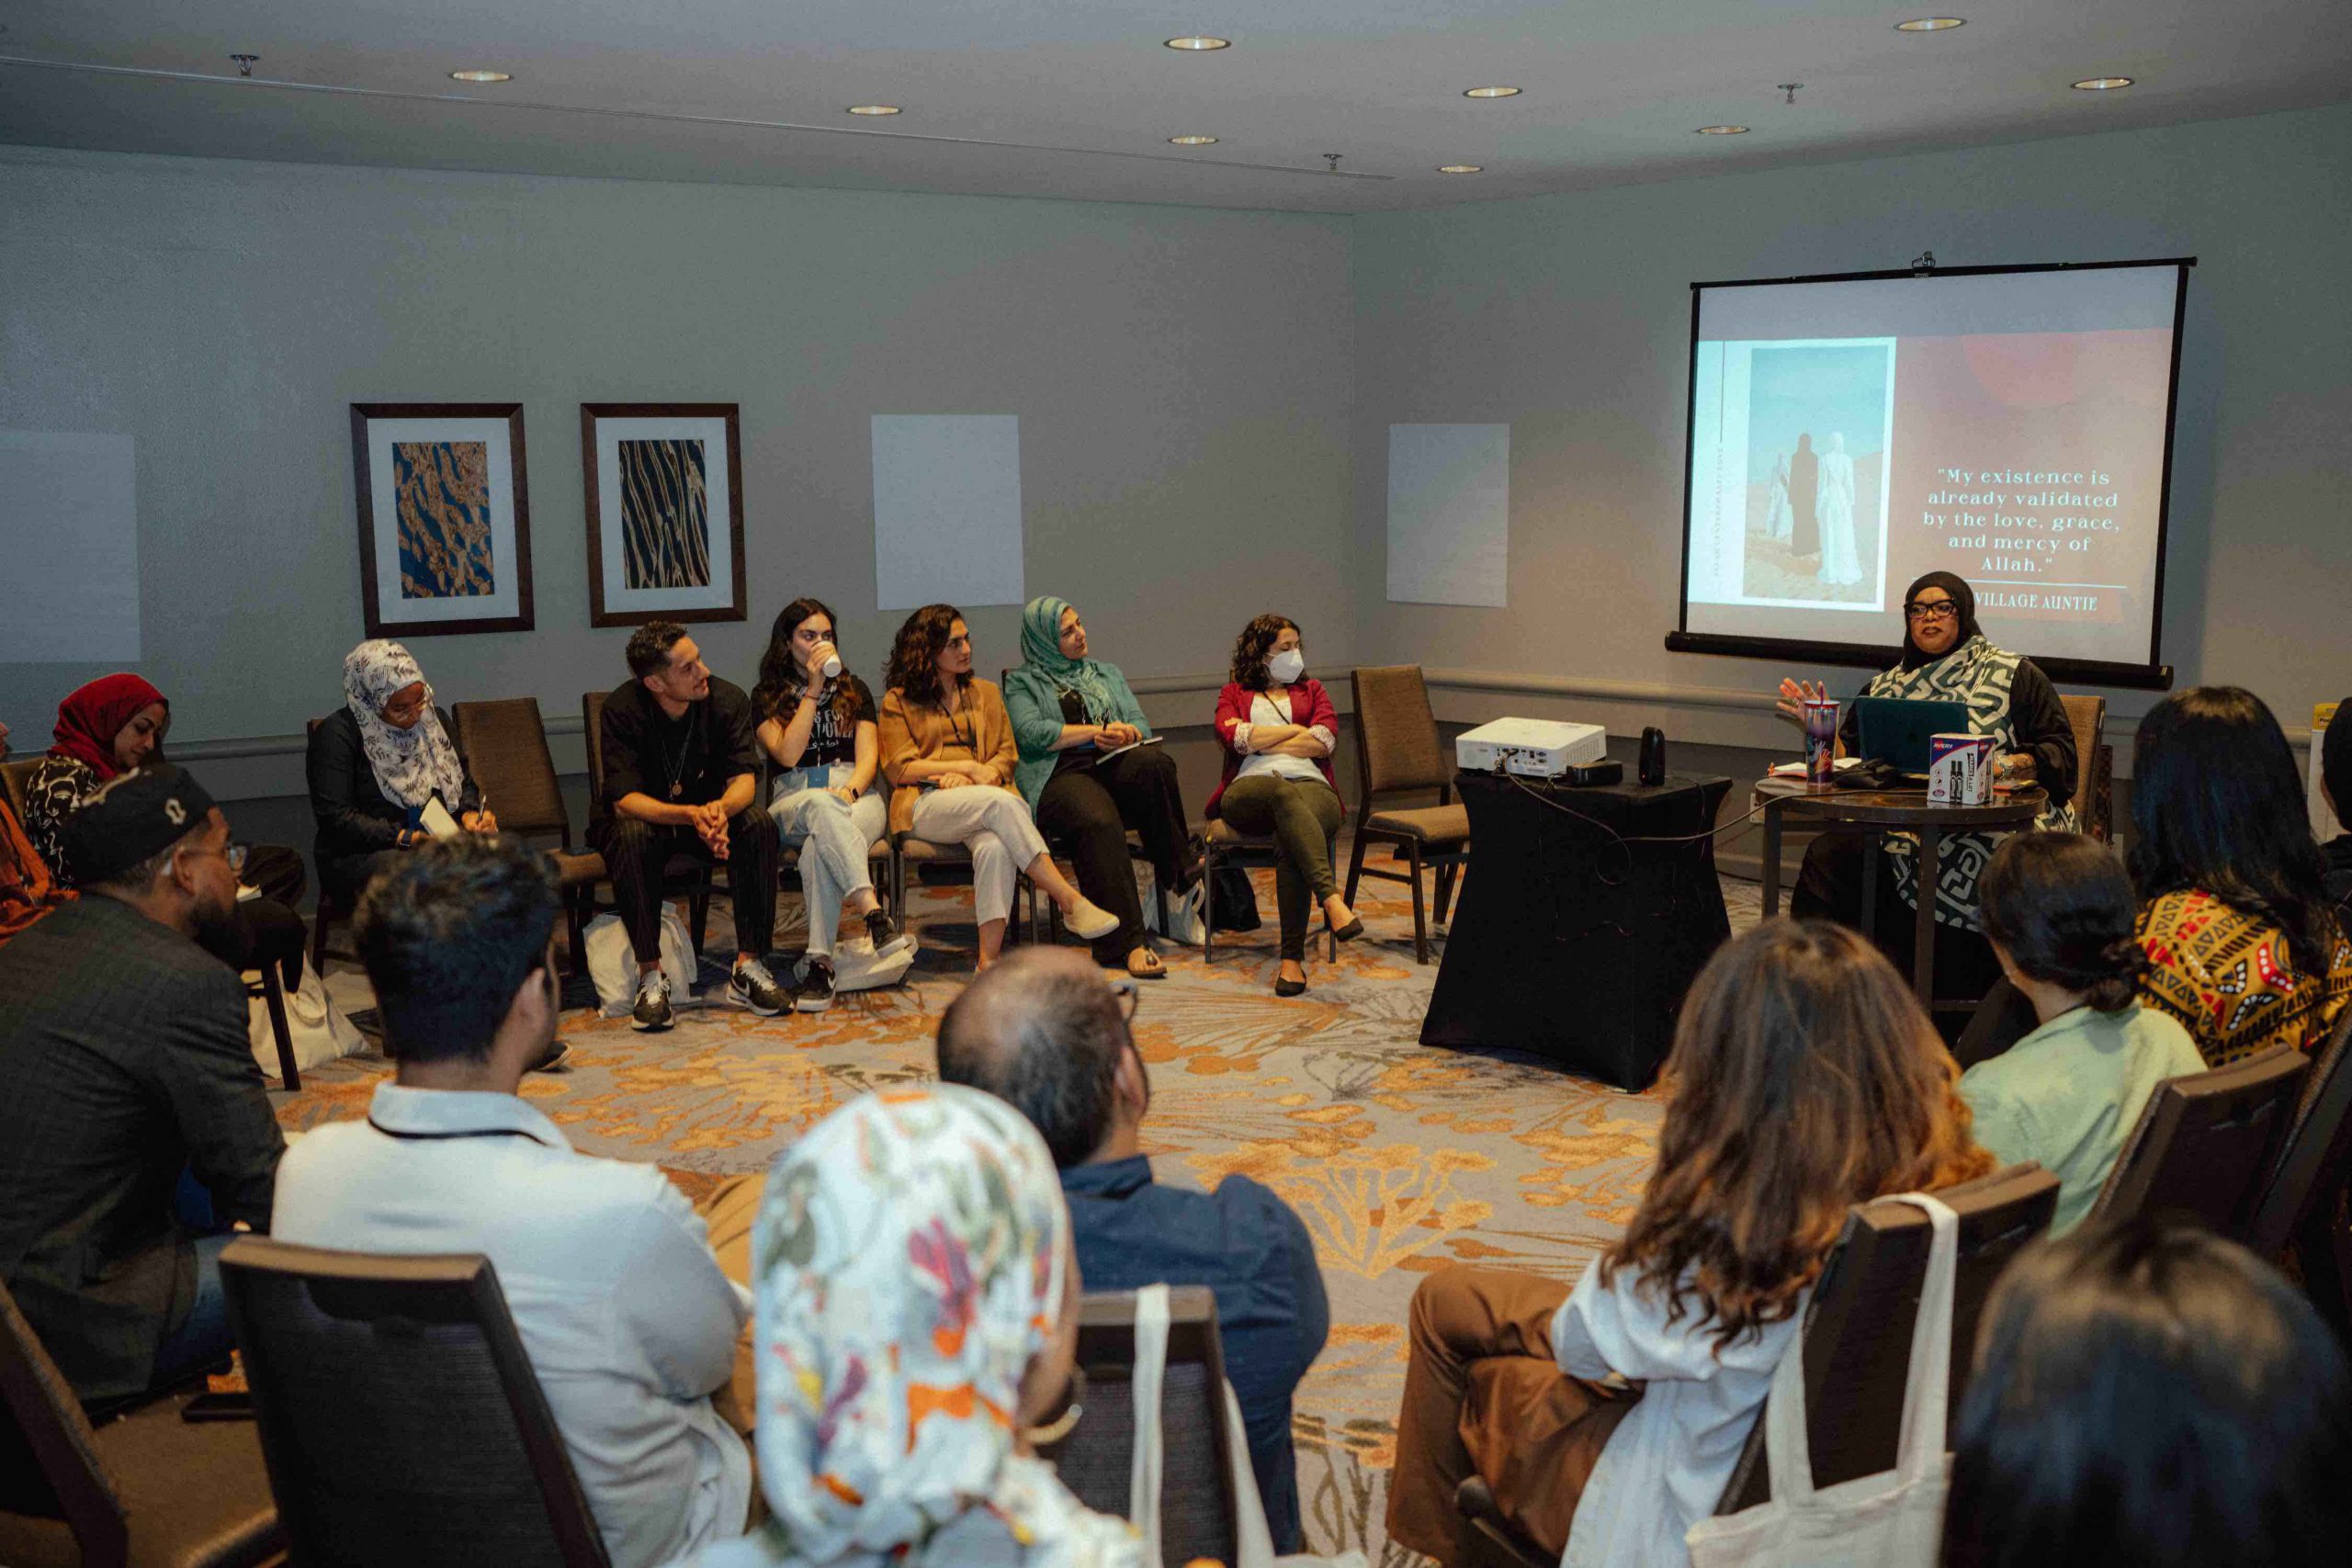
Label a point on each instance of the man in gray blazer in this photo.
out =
(131, 1101)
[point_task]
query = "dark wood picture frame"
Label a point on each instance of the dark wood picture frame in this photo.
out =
(730, 414)
(364, 492)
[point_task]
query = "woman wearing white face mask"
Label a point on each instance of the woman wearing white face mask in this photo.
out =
(1280, 729)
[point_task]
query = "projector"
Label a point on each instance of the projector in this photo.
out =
(1538, 748)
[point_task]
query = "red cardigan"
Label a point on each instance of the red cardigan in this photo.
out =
(1232, 704)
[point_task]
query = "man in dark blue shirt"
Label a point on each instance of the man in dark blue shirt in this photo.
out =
(1046, 1031)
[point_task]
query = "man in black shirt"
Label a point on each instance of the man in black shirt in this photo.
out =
(680, 775)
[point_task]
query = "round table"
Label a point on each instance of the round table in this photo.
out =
(1878, 812)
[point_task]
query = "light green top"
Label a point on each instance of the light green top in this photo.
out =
(1035, 702)
(2069, 1093)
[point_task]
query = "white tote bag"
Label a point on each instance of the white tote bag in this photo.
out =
(315, 1027)
(612, 963)
(1187, 922)
(1893, 1519)
(1254, 1545)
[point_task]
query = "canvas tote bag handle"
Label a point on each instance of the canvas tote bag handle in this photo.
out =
(1927, 1388)
(1144, 1471)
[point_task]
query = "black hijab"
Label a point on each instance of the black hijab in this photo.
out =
(1962, 596)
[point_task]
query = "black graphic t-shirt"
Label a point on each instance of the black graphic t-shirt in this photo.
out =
(832, 736)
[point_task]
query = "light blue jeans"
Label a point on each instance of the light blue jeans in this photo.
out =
(835, 837)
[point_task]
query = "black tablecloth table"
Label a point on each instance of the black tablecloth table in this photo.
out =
(1581, 938)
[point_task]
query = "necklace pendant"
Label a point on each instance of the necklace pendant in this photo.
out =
(677, 789)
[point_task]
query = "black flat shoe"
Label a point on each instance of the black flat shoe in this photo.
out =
(1288, 988)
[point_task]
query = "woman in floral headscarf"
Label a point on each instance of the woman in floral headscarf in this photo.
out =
(375, 761)
(918, 1315)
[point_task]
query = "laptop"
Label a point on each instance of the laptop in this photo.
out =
(1894, 730)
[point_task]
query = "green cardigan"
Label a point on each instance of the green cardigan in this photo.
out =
(1035, 703)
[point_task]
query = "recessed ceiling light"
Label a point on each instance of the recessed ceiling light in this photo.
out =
(1197, 43)
(1460, 168)
(2102, 84)
(1192, 140)
(1722, 130)
(1930, 24)
(875, 108)
(480, 77)
(1491, 93)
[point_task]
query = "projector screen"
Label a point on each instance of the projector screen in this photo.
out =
(2012, 425)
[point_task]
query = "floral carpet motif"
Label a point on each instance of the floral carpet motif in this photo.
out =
(1400, 1158)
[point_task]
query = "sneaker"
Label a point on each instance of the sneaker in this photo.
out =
(815, 992)
(1087, 920)
(753, 986)
(653, 1008)
(886, 936)
(556, 1052)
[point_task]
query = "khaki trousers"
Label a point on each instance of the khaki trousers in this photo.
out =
(729, 1213)
(1485, 1395)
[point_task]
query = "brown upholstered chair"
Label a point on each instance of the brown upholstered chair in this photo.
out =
(684, 875)
(1197, 1503)
(330, 910)
(2206, 1143)
(142, 1487)
(2302, 1201)
(1398, 753)
(504, 744)
(15, 774)
(398, 1413)
(2094, 764)
(1856, 1336)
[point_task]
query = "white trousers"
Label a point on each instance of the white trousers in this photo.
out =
(835, 837)
(995, 825)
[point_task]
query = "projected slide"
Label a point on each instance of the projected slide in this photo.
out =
(1849, 434)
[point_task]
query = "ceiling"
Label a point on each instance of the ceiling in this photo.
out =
(1077, 98)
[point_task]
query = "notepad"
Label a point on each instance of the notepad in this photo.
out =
(1121, 750)
(435, 819)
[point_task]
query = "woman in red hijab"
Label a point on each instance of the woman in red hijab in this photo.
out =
(108, 727)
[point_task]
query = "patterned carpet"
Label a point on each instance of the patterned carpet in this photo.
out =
(1401, 1160)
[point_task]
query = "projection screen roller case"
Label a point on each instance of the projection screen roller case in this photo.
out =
(2012, 425)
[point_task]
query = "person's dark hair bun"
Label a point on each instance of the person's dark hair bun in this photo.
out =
(2060, 905)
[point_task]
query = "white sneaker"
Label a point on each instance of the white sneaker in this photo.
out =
(1087, 921)
(653, 1010)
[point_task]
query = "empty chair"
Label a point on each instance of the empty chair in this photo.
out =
(2206, 1144)
(142, 1487)
(2302, 1201)
(2094, 763)
(1856, 1336)
(399, 1416)
(1198, 1510)
(505, 746)
(1398, 753)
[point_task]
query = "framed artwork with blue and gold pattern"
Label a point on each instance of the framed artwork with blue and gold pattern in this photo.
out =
(663, 484)
(445, 517)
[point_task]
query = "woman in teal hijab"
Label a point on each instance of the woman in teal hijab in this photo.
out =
(1090, 770)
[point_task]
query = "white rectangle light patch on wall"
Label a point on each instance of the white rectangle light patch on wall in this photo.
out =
(946, 510)
(1449, 514)
(69, 533)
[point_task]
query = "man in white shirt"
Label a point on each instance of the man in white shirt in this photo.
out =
(628, 1320)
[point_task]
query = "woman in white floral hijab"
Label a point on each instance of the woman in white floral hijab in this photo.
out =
(917, 1313)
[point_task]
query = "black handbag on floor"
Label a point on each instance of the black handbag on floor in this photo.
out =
(1232, 900)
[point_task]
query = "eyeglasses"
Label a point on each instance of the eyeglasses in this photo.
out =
(233, 854)
(1932, 609)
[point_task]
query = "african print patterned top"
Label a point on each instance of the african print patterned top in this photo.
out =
(2226, 976)
(1984, 678)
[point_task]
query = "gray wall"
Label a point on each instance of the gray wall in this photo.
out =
(1182, 378)
(1569, 317)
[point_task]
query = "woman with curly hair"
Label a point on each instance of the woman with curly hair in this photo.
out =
(947, 751)
(1805, 1079)
(1279, 729)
